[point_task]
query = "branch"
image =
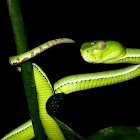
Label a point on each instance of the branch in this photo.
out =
(27, 72)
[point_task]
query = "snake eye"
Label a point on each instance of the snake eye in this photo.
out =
(102, 46)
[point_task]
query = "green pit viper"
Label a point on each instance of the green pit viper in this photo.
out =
(107, 52)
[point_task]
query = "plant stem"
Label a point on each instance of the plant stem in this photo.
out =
(27, 71)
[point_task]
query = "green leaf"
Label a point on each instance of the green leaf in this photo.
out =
(117, 133)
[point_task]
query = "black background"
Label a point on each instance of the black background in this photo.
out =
(90, 110)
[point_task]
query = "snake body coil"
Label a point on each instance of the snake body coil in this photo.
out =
(108, 52)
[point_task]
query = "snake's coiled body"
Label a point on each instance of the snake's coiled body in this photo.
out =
(92, 80)
(108, 52)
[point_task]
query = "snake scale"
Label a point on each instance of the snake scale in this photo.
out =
(106, 52)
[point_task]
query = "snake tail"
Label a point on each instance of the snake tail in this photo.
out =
(18, 59)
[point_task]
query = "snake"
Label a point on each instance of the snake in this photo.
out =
(98, 51)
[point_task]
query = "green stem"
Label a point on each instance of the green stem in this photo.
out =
(27, 71)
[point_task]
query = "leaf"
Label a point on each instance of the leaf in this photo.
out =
(68, 132)
(117, 133)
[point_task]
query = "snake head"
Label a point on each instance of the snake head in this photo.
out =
(102, 51)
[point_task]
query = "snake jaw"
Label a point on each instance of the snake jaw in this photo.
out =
(105, 59)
